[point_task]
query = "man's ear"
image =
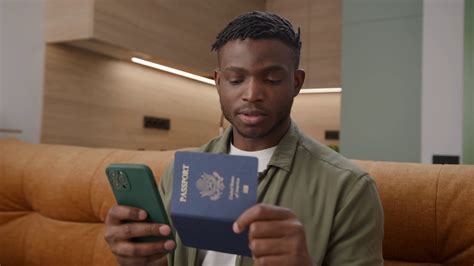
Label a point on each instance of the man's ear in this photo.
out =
(217, 78)
(299, 80)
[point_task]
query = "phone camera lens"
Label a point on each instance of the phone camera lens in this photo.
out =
(116, 183)
(122, 179)
(114, 173)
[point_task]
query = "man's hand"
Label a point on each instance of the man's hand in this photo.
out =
(276, 237)
(118, 235)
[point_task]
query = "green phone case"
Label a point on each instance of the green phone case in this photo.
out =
(134, 185)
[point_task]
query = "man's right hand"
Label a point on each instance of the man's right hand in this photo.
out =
(118, 235)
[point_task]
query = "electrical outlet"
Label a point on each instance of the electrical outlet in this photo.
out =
(156, 122)
(445, 159)
(331, 135)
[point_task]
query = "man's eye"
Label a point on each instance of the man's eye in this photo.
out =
(273, 81)
(235, 81)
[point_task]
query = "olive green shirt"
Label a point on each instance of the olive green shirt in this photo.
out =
(337, 203)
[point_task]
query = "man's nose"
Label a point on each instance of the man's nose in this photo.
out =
(253, 91)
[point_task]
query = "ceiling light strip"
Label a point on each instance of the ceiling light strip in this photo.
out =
(172, 70)
(211, 81)
(321, 90)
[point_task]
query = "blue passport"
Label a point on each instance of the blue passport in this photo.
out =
(210, 191)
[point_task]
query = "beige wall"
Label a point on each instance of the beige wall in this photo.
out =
(67, 20)
(179, 33)
(174, 33)
(316, 113)
(98, 101)
(91, 99)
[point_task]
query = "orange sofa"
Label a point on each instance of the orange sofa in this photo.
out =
(53, 201)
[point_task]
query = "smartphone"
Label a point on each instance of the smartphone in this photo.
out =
(134, 185)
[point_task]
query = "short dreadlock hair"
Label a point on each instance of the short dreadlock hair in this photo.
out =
(260, 25)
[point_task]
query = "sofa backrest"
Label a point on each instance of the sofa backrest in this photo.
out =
(429, 211)
(54, 200)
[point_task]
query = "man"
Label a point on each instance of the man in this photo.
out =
(315, 207)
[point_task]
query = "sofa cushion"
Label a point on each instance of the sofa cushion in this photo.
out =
(54, 200)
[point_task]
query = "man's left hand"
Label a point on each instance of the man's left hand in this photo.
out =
(276, 236)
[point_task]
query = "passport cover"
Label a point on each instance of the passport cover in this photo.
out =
(210, 191)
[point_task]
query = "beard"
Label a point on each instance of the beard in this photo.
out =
(282, 117)
(257, 134)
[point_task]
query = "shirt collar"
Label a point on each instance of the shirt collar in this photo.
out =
(283, 155)
(286, 149)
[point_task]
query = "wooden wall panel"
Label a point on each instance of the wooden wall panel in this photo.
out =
(95, 100)
(320, 22)
(67, 20)
(294, 11)
(325, 44)
(98, 101)
(178, 32)
(317, 113)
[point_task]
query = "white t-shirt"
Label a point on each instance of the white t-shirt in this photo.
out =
(214, 258)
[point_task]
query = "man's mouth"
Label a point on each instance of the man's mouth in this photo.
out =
(251, 117)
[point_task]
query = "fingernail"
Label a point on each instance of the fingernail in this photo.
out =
(236, 229)
(164, 230)
(170, 245)
(141, 214)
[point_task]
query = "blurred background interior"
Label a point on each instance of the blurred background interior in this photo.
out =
(388, 80)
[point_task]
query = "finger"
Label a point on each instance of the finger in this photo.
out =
(271, 260)
(266, 247)
(159, 259)
(271, 229)
(130, 230)
(149, 260)
(123, 260)
(131, 249)
(261, 212)
(119, 213)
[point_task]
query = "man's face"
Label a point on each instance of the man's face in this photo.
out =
(257, 82)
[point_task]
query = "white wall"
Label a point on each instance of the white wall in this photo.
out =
(21, 67)
(442, 78)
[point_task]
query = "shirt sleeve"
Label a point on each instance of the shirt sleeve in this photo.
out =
(164, 186)
(357, 231)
